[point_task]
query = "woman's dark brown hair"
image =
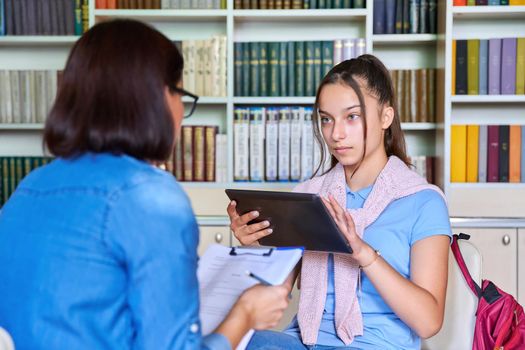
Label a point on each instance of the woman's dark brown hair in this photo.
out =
(112, 94)
(373, 72)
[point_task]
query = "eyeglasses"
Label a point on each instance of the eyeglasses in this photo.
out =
(194, 98)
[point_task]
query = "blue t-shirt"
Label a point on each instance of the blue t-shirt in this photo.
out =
(403, 223)
(99, 252)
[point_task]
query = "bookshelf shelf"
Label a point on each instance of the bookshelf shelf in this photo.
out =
(488, 99)
(305, 100)
(405, 39)
(488, 12)
(165, 15)
(37, 126)
(418, 126)
(44, 40)
(299, 15)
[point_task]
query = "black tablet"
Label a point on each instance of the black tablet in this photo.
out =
(297, 219)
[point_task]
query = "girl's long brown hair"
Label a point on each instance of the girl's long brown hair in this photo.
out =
(373, 72)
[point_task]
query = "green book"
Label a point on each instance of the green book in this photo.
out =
(359, 4)
(5, 179)
(275, 81)
(520, 67)
(337, 4)
(473, 67)
(283, 69)
(309, 70)
(263, 69)
(504, 2)
(78, 17)
(238, 68)
(12, 175)
(347, 4)
(291, 68)
(471, 3)
(322, 4)
(327, 57)
(245, 89)
(318, 62)
(299, 68)
(306, 4)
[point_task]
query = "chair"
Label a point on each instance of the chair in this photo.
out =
(457, 332)
(6, 343)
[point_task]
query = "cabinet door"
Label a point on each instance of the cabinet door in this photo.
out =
(213, 234)
(499, 252)
(521, 266)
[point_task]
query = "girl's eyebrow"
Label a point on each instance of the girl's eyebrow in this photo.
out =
(344, 109)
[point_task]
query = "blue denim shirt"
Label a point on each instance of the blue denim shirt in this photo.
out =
(99, 252)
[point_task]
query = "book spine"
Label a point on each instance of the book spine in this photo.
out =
(379, 16)
(178, 159)
(291, 70)
(307, 139)
(482, 156)
(284, 145)
(461, 67)
(299, 68)
(454, 63)
(295, 143)
(187, 152)
(241, 137)
(504, 153)
(318, 62)
(515, 153)
(211, 132)
(422, 100)
(349, 49)
(472, 152)
(338, 51)
(238, 68)
(399, 17)
(275, 80)
(283, 69)
(493, 153)
(257, 125)
(271, 144)
(309, 71)
(246, 72)
(483, 66)
(263, 69)
(494, 66)
(413, 96)
(473, 67)
(423, 17)
(432, 16)
(390, 17)
(458, 155)
(221, 172)
(508, 66)
(359, 46)
(431, 95)
(199, 153)
(520, 66)
(328, 57)
(254, 69)
(414, 16)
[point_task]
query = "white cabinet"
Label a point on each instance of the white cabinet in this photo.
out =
(213, 234)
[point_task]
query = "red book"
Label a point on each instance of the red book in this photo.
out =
(111, 4)
(101, 4)
(493, 153)
(460, 2)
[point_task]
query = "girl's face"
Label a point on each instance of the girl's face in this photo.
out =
(342, 124)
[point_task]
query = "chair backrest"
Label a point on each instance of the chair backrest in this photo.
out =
(457, 332)
(6, 343)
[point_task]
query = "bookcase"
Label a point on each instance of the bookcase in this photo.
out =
(481, 22)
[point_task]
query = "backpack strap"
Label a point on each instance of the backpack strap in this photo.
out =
(461, 263)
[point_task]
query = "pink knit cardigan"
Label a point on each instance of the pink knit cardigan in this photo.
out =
(395, 181)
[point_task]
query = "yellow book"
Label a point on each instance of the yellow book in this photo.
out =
(472, 152)
(453, 67)
(515, 153)
(520, 67)
(458, 153)
(517, 2)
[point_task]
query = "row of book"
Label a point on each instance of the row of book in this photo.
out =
(288, 68)
(26, 96)
(200, 155)
(44, 17)
(488, 66)
(488, 2)
(424, 166)
(487, 153)
(415, 91)
(13, 170)
(405, 16)
(298, 4)
(205, 72)
(160, 4)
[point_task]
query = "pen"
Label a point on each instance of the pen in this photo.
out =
(263, 281)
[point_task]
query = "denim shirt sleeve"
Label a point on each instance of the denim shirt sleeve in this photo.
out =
(152, 231)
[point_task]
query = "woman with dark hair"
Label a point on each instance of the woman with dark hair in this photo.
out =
(391, 291)
(98, 248)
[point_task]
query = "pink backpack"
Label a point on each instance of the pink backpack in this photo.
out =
(500, 321)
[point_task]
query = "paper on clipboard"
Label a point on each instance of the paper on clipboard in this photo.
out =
(222, 278)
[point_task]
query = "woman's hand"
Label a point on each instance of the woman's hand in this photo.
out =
(265, 305)
(247, 234)
(362, 252)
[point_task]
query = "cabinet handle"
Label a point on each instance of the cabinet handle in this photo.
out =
(506, 240)
(218, 237)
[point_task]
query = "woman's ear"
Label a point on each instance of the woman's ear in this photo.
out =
(387, 117)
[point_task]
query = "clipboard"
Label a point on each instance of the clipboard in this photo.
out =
(297, 219)
(222, 275)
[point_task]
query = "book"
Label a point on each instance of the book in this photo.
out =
(256, 143)
(296, 124)
(504, 134)
(271, 143)
(263, 70)
(493, 150)
(221, 158)
(307, 140)
(199, 153)
(299, 68)
(482, 153)
(473, 67)
(472, 152)
(520, 66)
(241, 132)
(461, 67)
(275, 70)
(483, 66)
(390, 17)
(458, 153)
(379, 16)
(494, 66)
(515, 153)
(187, 152)
(453, 68)
(283, 167)
(508, 66)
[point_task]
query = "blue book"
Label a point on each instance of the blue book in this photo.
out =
(379, 17)
(390, 10)
(2, 18)
(523, 153)
(494, 2)
(483, 66)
